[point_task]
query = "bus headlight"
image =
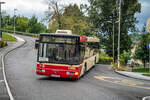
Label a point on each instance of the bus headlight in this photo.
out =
(67, 73)
(76, 73)
(43, 70)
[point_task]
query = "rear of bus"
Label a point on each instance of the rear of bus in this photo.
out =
(59, 56)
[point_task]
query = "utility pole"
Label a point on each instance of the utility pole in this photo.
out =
(113, 29)
(1, 20)
(149, 61)
(15, 20)
(119, 34)
(113, 39)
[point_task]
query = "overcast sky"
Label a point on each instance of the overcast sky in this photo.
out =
(38, 7)
(145, 13)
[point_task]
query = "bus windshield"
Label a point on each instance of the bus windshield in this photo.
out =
(60, 53)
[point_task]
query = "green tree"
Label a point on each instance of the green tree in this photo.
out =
(5, 20)
(102, 12)
(54, 12)
(22, 23)
(34, 26)
(135, 37)
(72, 19)
(141, 51)
(125, 56)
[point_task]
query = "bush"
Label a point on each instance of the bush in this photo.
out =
(125, 56)
(3, 44)
(121, 68)
(105, 60)
(108, 60)
(122, 61)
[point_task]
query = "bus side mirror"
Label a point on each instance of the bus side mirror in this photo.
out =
(36, 44)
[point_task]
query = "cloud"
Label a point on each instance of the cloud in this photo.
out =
(32, 7)
(38, 7)
(144, 15)
(25, 7)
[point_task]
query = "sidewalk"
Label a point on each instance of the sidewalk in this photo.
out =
(134, 75)
(3, 90)
(3, 51)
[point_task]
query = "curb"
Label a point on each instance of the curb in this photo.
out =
(146, 98)
(4, 73)
(131, 76)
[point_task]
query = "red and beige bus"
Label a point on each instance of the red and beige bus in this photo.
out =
(66, 55)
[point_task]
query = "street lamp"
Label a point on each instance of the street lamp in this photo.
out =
(0, 20)
(113, 38)
(113, 29)
(119, 34)
(14, 20)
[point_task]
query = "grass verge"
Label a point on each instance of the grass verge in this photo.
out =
(121, 68)
(8, 38)
(146, 75)
(141, 70)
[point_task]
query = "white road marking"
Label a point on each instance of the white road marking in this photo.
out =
(124, 82)
(146, 98)
(4, 73)
(1, 81)
(5, 80)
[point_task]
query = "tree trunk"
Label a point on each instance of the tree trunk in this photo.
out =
(144, 64)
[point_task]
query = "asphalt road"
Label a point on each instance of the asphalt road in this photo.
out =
(100, 83)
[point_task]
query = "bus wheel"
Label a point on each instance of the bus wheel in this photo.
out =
(84, 69)
(95, 61)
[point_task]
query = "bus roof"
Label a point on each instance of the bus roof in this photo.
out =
(63, 32)
(82, 38)
(93, 39)
(59, 35)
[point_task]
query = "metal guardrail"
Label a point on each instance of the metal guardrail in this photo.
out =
(21, 33)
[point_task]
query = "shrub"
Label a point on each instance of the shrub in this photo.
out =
(108, 60)
(105, 60)
(3, 44)
(122, 61)
(121, 68)
(125, 56)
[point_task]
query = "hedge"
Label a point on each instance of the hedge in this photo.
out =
(108, 60)
(3, 44)
(105, 60)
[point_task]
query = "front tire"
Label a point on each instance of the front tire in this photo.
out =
(95, 61)
(84, 69)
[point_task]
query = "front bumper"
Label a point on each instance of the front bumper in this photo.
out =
(58, 73)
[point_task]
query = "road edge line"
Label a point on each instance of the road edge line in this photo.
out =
(146, 98)
(130, 76)
(4, 73)
(5, 80)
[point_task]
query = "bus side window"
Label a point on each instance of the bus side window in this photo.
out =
(82, 51)
(41, 50)
(65, 54)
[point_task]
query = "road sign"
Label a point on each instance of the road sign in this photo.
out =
(148, 25)
(148, 46)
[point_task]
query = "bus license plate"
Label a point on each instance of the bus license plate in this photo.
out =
(52, 75)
